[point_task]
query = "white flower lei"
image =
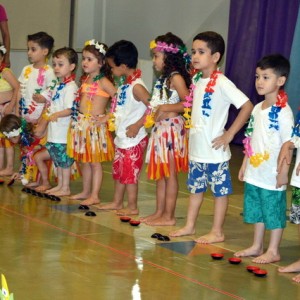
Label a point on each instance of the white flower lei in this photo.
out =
(13, 133)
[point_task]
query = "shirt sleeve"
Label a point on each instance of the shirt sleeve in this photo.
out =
(3, 15)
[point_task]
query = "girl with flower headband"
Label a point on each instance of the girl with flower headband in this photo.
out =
(35, 77)
(9, 87)
(270, 126)
(167, 152)
(59, 98)
(89, 141)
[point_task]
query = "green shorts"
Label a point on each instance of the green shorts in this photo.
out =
(264, 206)
(58, 153)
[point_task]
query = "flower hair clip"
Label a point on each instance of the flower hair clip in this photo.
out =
(3, 49)
(13, 133)
(98, 46)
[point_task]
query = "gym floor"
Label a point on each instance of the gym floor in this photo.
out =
(52, 250)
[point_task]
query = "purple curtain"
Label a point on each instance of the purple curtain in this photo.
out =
(256, 28)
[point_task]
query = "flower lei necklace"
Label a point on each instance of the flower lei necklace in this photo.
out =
(206, 108)
(62, 85)
(256, 159)
(119, 100)
(91, 92)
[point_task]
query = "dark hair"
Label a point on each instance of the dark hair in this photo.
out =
(174, 61)
(69, 53)
(276, 62)
(214, 41)
(123, 52)
(43, 39)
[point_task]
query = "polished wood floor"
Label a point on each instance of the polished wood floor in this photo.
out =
(52, 250)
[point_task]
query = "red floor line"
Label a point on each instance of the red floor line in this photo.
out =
(126, 254)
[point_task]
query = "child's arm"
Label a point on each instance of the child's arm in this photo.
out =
(60, 114)
(242, 169)
(285, 155)
(239, 122)
(282, 176)
(140, 94)
(14, 83)
(39, 98)
(177, 83)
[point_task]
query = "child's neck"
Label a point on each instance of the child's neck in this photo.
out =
(40, 64)
(67, 78)
(132, 74)
(270, 99)
(92, 75)
(206, 73)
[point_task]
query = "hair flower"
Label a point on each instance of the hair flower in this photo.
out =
(97, 45)
(153, 44)
(2, 49)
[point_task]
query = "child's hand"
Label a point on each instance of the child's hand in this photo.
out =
(281, 179)
(15, 176)
(100, 120)
(53, 117)
(132, 131)
(38, 98)
(285, 155)
(222, 141)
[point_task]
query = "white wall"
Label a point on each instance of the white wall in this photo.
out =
(141, 21)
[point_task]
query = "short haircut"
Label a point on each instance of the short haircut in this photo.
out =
(123, 52)
(277, 62)
(43, 39)
(69, 53)
(214, 40)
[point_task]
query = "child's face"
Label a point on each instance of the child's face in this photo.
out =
(36, 54)
(15, 139)
(158, 60)
(202, 58)
(116, 70)
(267, 82)
(90, 63)
(62, 67)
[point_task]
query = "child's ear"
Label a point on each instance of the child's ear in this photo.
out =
(216, 57)
(45, 52)
(73, 67)
(281, 80)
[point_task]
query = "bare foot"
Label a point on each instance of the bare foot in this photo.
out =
(183, 231)
(150, 217)
(161, 222)
(127, 212)
(53, 190)
(109, 206)
(32, 184)
(294, 267)
(90, 201)
(6, 172)
(267, 258)
(43, 188)
(210, 238)
(80, 196)
(296, 278)
(62, 193)
(251, 251)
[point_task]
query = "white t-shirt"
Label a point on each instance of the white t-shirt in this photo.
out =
(270, 140)
(34, 81)
(128, 114)
(205, 129)
(60, 100)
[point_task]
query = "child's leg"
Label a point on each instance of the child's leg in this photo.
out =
(96, 178)
(167, 218)
(160, 201)
(9, 170)
(41, 159)
(257, 246)
(86, 170)
(216, 235)
(1, 158)
(59, 183)
(132, 208)
(195, 203)
(272, 254)
(64, 182)
(117, 202)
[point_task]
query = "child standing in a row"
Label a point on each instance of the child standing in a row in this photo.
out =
(209, 152)
(167, 152)
(88, 141)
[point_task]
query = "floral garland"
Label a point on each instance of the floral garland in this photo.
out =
(171, 48)
(92, 91)
(206, 98)
(98, 46)
(256, 159)
(40, 81)
(118, 102)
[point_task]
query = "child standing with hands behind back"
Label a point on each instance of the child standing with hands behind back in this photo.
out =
(88, 141)
(269, 127)
(128, 111)
(167, 152)
(209, 152)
